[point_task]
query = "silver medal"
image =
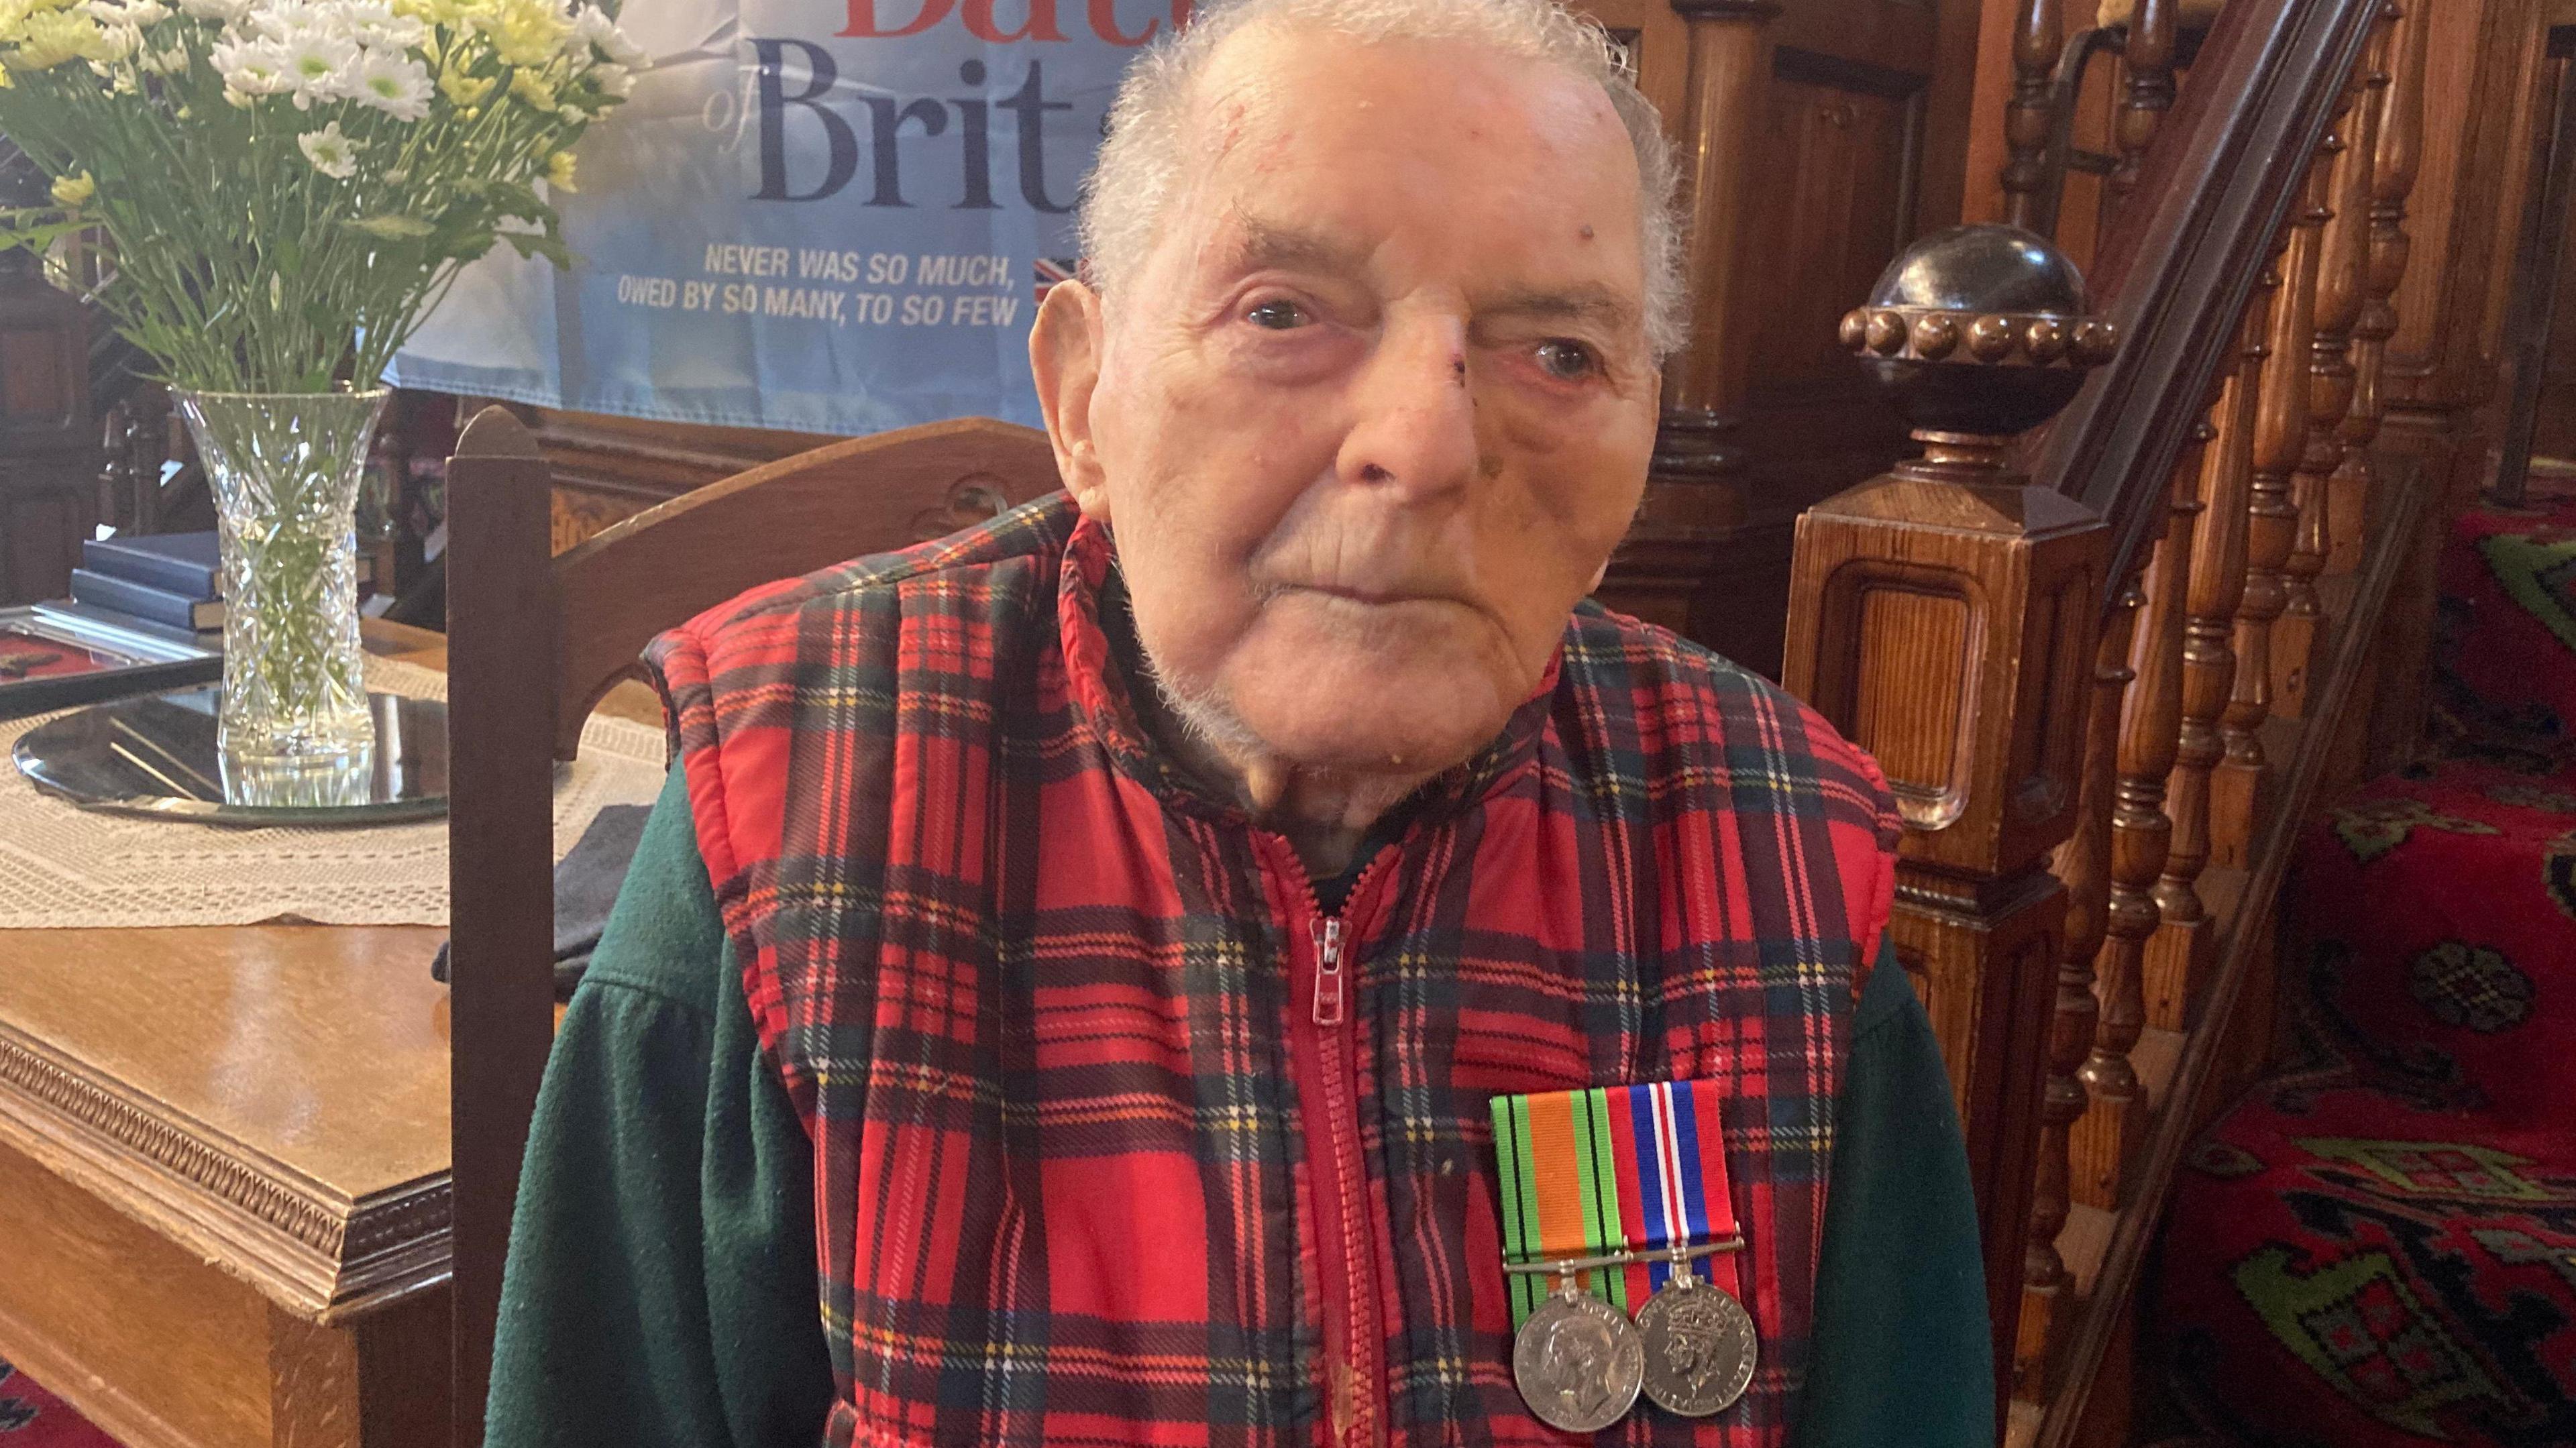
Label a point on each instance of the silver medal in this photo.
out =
(1699, 1345)
(1578, 1361)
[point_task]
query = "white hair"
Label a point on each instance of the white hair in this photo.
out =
(1141, 157)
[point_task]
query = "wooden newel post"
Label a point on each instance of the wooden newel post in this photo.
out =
(1942, 616)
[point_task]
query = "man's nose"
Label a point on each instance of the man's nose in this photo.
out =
(1415, 427)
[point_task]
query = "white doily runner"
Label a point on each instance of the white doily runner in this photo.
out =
(64, 866)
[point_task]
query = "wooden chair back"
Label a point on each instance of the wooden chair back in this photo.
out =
(533, 643)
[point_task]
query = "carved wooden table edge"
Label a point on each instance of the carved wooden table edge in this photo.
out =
(310, 1250)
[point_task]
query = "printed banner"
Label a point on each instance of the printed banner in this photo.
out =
(831, 216)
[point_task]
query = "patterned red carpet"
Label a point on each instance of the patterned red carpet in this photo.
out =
(30, 1417)
(2379, 1251)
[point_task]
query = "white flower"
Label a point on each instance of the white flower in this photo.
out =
(613, 79)
(332, 154)
(173, 61)
(321, 67)
(223, 11)
(394, 84)
(285, 19)
(136, 13)
(375, 25)
(250, 67)
(594, 26)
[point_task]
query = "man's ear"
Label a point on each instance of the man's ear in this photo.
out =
(1064, 354)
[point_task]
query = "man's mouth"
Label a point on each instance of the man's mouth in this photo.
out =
(1374, 597)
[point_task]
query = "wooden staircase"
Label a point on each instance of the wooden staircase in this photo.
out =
(2232, 525)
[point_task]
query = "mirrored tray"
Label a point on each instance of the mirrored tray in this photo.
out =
(156, 755)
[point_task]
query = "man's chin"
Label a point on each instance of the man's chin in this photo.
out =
(1422, 725)
(1416, 699)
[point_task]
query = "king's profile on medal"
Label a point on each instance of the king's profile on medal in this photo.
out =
(1244, 951)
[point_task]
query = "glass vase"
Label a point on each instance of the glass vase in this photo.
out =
(285, 469)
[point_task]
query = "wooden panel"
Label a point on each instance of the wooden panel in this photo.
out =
(1910, 710)
(1840, 144)
(581, 513)
(35, 377)
(45, 510)
(154, 1345)
(1892, 35)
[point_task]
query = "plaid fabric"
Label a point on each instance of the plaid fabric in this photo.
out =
(1094, 1162)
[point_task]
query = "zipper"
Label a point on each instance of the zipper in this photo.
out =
(1328, 971)
(1324, 1059)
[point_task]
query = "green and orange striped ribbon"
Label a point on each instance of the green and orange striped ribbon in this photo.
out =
(1560, 1191)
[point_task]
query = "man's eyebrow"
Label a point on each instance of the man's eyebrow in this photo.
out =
(1270, 244)
(1586, 302)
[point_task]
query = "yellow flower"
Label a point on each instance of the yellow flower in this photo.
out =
(525, 32)
(50, 37)
(5, 81)
(534, 88)
(463, 89)
(559, 172)
(73, 190)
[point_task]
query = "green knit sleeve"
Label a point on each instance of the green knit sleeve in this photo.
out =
(660, 1290)
(1901, 1352)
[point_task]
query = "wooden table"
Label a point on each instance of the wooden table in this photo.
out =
(224, 1174)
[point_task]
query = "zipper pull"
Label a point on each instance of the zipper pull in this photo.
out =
(1328, 972)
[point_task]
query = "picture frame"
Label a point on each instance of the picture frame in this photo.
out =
(56, 655)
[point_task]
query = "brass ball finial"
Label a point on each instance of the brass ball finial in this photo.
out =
(1979, 329)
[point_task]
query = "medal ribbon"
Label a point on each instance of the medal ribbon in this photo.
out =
(1612, 1169)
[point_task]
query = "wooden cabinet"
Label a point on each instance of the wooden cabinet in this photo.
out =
(48, 440)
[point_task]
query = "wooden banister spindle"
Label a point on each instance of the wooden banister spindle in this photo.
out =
(2182, 950)
(2392, 179)
(2271, 527)
(1901, 593)
(2106, 1140)
(2083, 865)
(2035, 43)
(2343, 257)
(2148, 61)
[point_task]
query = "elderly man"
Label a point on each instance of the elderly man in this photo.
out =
(1140, 971)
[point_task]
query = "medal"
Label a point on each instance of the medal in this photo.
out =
(1698, 1343)
(1578, 1361)
(1624, 1186)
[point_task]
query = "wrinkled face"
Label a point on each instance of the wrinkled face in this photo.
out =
(1372, 413)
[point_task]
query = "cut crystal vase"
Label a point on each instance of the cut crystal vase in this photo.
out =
(285, 469)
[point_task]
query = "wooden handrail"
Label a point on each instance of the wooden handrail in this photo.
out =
(2213, 190)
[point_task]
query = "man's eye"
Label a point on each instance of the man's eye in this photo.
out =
(1277, 316)
(1566, 360)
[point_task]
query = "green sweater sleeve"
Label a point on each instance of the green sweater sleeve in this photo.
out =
(1902, 1352)
(660, 1290)
(661, 1287)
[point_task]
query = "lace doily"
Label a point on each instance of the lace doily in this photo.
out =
(64, 866)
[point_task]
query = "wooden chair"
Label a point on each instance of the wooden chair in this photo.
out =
(533, 643)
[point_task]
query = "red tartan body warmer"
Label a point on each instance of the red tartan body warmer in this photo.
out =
(1118, 1139)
